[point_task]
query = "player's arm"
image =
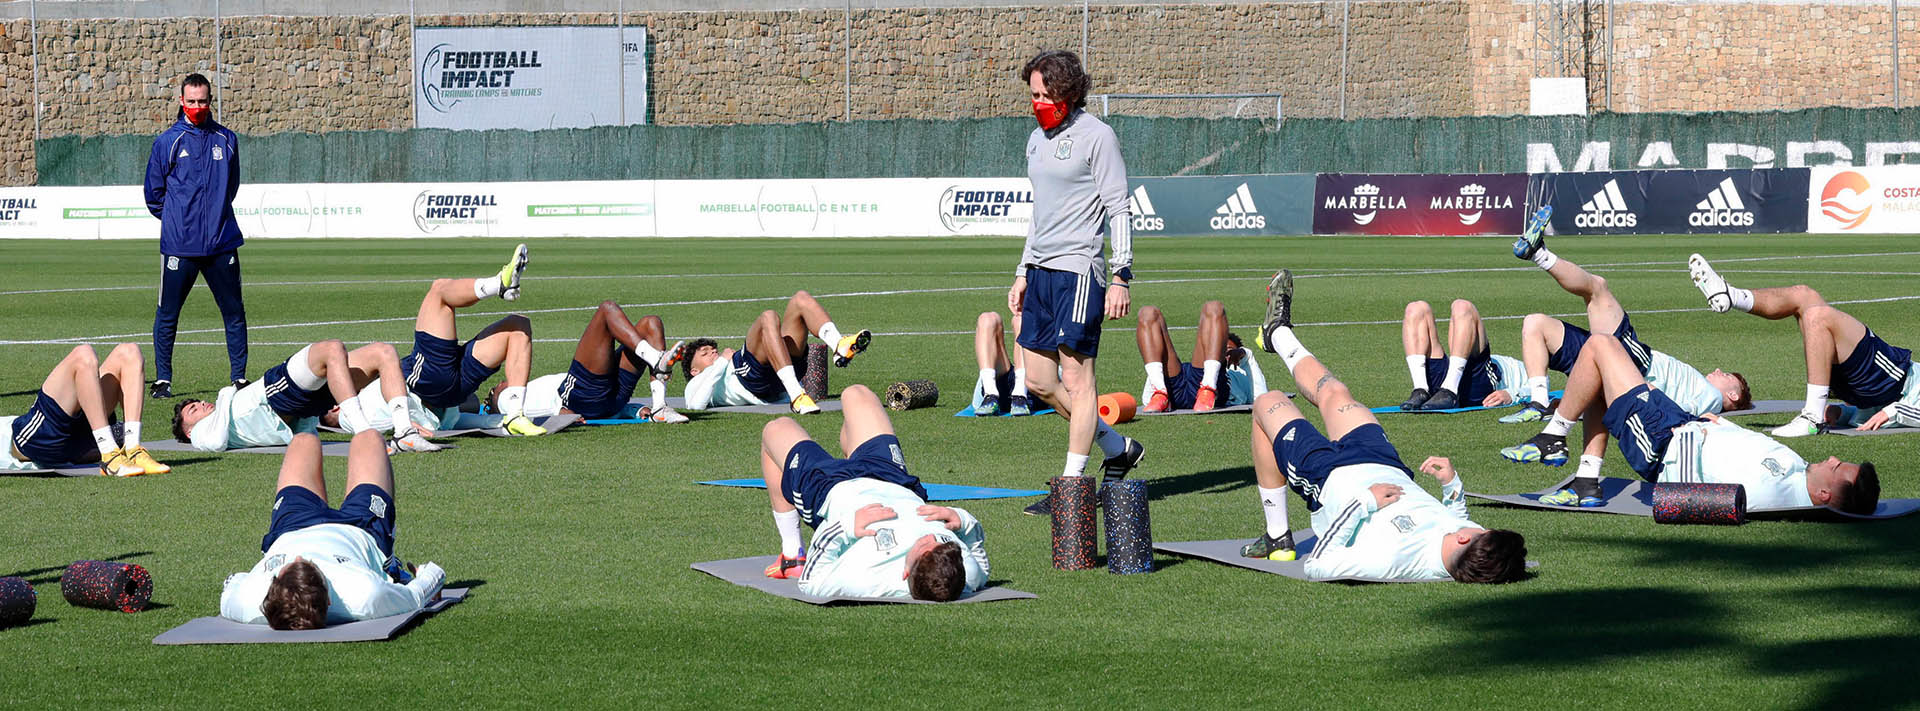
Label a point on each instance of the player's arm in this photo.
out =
(159, 161)
(1110, 176)
(240, 598)
(1900, 414)
(1453, 491)
(1254, 374)
(973, 541)
(389, 598)
(825, 554)
(701, 388)
(233, 167)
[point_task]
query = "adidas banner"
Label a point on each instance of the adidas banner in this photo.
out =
(1677, 201)
(1221, 205)
(1372, 204)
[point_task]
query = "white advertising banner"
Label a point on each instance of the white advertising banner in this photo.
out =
(1882, 199)
(529, 77)
(878, 207)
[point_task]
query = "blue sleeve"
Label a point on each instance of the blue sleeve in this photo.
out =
(233, 169)
(158, 164)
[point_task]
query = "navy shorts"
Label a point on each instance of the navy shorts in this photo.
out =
(811, 472)
(1062, 310)
(48, 436)
(1575, 338)
(289, 401)
(1307, 457)
(1478, 381)
(759, 378)
(1873, 375)
(442, 372)
(595, 396)
(1183, 388)
(1642, 421)
(368, 507)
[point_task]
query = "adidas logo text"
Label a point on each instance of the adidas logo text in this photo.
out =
(1722, 207)
(1607, 208)
(1238, 213)
(1144, 217)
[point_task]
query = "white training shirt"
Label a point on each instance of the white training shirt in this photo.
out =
(1684, 385)
(720, 386)
(1510, 375)
(357, 584)
(1398, 542)
(1774, 476)
(242, 418)
(7, 462)
(373, 405)
(544, 398)
(842, 564)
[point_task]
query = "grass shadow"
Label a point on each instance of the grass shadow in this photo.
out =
(30, 573)
(1662, 622)
(1205, 482)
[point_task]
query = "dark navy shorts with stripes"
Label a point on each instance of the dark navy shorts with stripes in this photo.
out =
(1873, 375)
(1307, 457)
(1642, 421)
(1062, 310)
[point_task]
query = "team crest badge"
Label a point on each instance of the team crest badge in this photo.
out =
(883, 539)
(217, 154)
(173, 264)
(1404, 523)
(1063, 149)
(1773, 466)
(378, 506)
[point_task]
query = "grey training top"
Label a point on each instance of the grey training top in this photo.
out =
(1079, 197)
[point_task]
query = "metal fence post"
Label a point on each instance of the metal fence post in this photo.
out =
(847, 72)
(1346, 22)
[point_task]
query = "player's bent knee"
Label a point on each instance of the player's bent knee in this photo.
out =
(1213, 309)
(989, 320)
(83, 356)
(1536, 323)
(1463, 308)
(1805, 296)
(1269, 399)
(1419, 309)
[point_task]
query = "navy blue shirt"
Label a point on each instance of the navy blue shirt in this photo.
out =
(192, 175)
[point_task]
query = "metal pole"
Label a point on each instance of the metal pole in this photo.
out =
(1346, 20)
(33, 24)
(1895, 5)
(413, 96)
(1084, 21)
(620, 41)
(1609, 78)
(219, 77)
(848, 78)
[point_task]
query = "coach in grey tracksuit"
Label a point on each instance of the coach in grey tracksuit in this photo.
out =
(1063, 287)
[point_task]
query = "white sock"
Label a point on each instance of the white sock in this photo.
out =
(1558, 426)
(1816, 406)
(1288, 346)
(513, 401)
(1589, 467)
(787, 378)
(1456, 366)
(1538, 386)
(1273, 503)
(788, 524)
(1157, 376)
(1417, 368)
(1741, 299)
(1210, 374)
(1019, 382)
(1545, 258)
(103, 438)
(486, 286)
(989, 382)
(1110, 442)
(1076, 465)
(659, 388)
(402, 419)
(352, 418)
(648, 354)
(132, 438)
(831, 334)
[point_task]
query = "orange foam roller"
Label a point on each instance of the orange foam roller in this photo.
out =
(1116, 408)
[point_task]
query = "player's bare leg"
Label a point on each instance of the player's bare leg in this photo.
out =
(777, 440)
(990, 354)
(300, 466)
(120, 387)
(1209, 343)
(1828, 334)
(804, 315)
(1158, 354)
(866, 418)
(769, 342)
(1420, 342)
(1064, 379)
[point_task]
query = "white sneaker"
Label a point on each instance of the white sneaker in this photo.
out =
(1801, 425)
(668, 415)
(1710, 284)
(510, 274)
(412, 442)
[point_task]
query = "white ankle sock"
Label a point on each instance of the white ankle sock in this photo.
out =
(486, 286)
(989, 382)
(1076, 465)
(1589, 467)
(1210, 374)
(659, 389)
(1417, 369)
(792, 382)
(1157, 375)
(1019, 382)
(352, 418)
(787, 523)
(1110, 442)
(1742, 299)
(648, 354)
(402, 419)
(1288, 346)
(831, 334)
(1558, 426)
(103, 438)
(513, 401)
(1273, 503)
(1816, 406)
(132, 437)
(1537, 386)
(1456, 366)
(1545, 258)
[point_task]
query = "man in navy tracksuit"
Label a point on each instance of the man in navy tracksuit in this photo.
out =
(192, 176)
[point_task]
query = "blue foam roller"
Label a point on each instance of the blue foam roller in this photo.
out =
(1129, 530)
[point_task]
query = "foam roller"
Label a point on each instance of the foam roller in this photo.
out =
(1116, 408)
(814, 378)
(1073, 526)
(912, 394)
(107, 586)
(1721, 504)
(16, 601)
(1129, 532)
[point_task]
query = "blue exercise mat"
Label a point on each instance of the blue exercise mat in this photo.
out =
(935, 492)
(969, 413)
(1392, 409)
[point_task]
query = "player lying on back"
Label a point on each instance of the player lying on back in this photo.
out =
(48, 433)
(762, 371)
(292, 396)
(1370, 519)
(874, 535)
(1845, 359)
(1663, 442)
(1191, 387)
(608, 362)
(1002, 385)
(1469, 372)
(325, 566)
(445, 372)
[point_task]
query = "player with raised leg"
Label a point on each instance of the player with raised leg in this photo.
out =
(292, 397)
(445, 372)
(612, 356)
(762, 372)
(1369, 518)
(48, 434)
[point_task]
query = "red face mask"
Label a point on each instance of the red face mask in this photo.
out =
(1049, 114)
(197, 114)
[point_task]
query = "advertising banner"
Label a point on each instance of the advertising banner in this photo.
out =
(1678, 201)
(1222, 205)
(1376, 204)
(529, 77)
(1882, 199)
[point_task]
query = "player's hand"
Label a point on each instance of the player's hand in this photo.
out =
(942, 514)
(1119, 301)
(1385, 495)
(1017, 295)
(869, 515)
(1877, 421)
(1440, 467)
(1713, 418)
(1497, 398)
(422, 429)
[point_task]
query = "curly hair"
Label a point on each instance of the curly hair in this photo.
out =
(692, 347)
(1066, 81)
(939, 575)
(1497, 556)
(297, 598)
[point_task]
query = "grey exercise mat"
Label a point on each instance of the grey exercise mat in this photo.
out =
(62, 470)
(329, 449)
(777, 408)
(1767, 407)
(1214, 411)
(1633, 497)
(553, 423)
(1228, 552)
(220, 630)
(751, 573)
(1889, 430)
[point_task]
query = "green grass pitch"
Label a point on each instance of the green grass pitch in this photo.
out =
(580, 544)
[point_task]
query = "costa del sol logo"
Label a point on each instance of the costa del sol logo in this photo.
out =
(1845, 200)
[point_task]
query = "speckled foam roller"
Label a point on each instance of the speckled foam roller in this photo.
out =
(1721, 504)
(813, 376)
(105, 585)
(912, 395)
(1129, 531)
(1073, 525)
(16, 601)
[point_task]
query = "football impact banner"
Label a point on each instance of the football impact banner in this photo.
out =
(1677, 201)
(529, 77)
(1386, 204)
(1883, 199)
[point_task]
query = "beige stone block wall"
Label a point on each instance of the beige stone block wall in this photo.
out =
(1289, 48)
(16, 132)
(316, 74)
(745, 67)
